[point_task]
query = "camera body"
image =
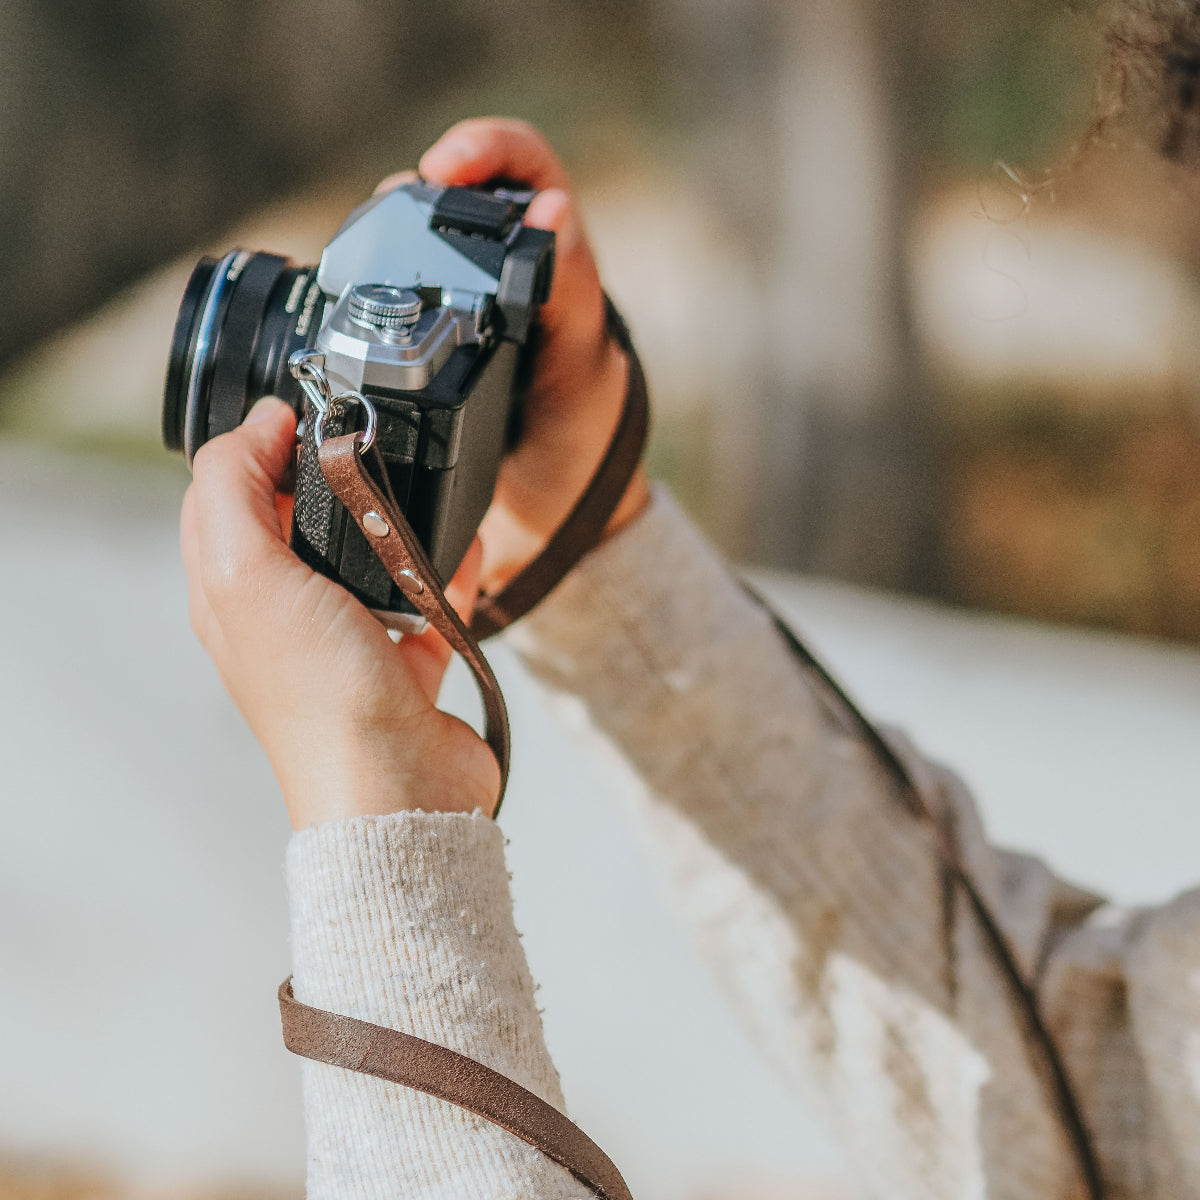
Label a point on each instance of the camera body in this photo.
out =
(424, 301)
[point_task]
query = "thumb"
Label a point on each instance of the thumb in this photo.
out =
(270, 431)
(236, 477)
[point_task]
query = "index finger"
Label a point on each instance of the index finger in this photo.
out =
(484, 148)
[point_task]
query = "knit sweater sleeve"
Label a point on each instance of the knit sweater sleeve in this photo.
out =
(820, 902)
(406, 921)
(824, 909)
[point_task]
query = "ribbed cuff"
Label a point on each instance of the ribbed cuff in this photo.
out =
(405, 920)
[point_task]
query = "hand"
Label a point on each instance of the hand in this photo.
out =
(347, 718)
(579, 376)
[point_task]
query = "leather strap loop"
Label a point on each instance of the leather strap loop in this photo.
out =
(401, 1058)
(391, 537)
(583, 528)
(581, 531)
(388, 1054)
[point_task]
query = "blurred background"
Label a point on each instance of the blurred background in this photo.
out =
(917, 294)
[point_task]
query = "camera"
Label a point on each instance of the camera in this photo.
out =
(424, 301)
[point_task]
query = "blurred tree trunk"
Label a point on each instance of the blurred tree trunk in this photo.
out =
(816, 178)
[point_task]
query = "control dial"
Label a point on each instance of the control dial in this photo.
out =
(384, 306)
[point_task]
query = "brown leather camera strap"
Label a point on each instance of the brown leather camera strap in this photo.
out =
(387, 1053)
(584, 525)
(1042, 1046)
(391, 537)
(401, 1058)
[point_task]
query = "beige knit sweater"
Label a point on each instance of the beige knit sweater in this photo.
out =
(817, 900)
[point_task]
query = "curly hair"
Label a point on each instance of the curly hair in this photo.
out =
(1152, 79)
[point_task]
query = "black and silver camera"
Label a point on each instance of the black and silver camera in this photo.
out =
(423, 302)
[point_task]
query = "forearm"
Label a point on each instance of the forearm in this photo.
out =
(742, 757)
(818, 899)
(406, 921)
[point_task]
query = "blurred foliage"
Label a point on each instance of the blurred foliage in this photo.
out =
(135, 129)
(1014, 83)
(1079, 518)
(132, 130)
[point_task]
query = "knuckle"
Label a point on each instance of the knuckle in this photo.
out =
(520, 128)
(209, 465)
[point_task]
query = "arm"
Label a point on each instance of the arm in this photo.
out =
(822, 906)
(399, 897)
(818, 900)
(406, 921)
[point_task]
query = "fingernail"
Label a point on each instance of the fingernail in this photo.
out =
(395, 180)
(552, 209)
(263, 410)
(455, 147)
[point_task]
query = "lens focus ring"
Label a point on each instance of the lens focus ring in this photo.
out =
(383, 306)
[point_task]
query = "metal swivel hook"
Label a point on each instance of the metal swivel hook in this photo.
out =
(308, 369)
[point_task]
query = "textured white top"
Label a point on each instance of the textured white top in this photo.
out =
(818, 901)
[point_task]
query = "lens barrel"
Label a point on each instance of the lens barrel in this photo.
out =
(239, 320)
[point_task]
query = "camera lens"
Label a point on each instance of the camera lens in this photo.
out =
(239, 321)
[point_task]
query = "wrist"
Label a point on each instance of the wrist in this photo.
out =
(635, 502)
(400, 770)
(553, 465)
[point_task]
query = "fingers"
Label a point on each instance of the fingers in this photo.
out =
(575, 309)
(231, 525)
(486, 148)
(428, 654)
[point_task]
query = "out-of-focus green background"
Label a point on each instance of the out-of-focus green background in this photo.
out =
(910, 322)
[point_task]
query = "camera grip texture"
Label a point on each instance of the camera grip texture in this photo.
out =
(322, 536)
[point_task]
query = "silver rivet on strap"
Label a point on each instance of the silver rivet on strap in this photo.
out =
(409, 583)
(373, 523)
